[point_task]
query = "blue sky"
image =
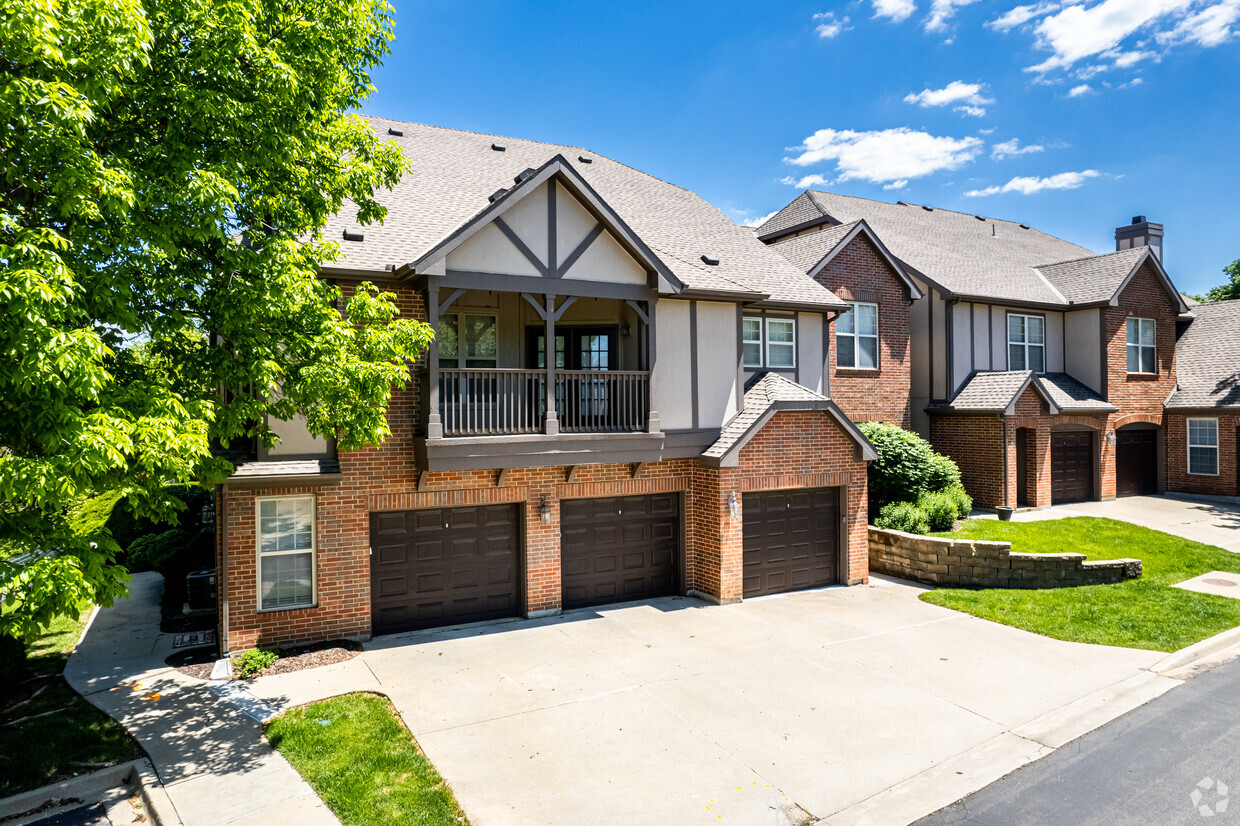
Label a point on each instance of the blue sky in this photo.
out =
(1133, 105)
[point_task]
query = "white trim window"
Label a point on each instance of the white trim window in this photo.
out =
(1026, 342)
(781, 343)
(1203, 447)
(769, 341)
(285, 552)
(751, 341)
(1142, 356)
(468, 340)
(856, 337)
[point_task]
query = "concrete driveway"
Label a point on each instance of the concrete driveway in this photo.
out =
(1214, 523)
(851, 705)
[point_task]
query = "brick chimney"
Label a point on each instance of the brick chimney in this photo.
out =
(1140, 233)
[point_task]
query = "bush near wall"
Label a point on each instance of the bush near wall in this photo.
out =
(912, 488)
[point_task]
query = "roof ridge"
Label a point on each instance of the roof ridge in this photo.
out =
(542, 143)
(1088, 257)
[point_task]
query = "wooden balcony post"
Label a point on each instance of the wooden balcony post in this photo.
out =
(434, 423)
(652, 419)
(552, 424)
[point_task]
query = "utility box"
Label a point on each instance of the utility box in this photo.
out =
(200, 590)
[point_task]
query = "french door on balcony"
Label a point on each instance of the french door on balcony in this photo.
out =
(582, 402)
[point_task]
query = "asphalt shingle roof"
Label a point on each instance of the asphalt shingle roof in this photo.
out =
(802, 210)
(1208, 358)
(1095, 278)
(454, 173)
(966, 255)
(767, 390)
(805, 251)
(990, 390)
(1070, 396)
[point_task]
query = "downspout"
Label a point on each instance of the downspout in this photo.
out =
(1006, 485)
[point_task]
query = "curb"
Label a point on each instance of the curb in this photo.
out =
(1208, 650)
(138, 774)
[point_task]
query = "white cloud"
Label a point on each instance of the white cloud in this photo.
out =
(900, 184)
(1021, 15)
(1030, 185)
(1077, 91)
(1102, 31)
(969, 95)
(882, 156)
(829, 25)
(1011, 148)
(805, 182)
(896, 10)
(943, 10)
(759, 220)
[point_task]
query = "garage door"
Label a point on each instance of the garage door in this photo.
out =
(618, 549)
(791, 540)
(443, 566)
(1072, 467)
(1136, 462)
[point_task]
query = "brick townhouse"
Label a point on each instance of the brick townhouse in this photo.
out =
(628, 397)
(1041, 367)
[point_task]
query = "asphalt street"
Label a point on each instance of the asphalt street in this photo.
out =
(1175, 760)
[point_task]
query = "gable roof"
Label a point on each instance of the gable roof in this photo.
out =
(974, 256)
(813, 251)
(454, 174)
(1208, 359)
(1071, 396)
(997, 392)
(766, 395)
(1101, 278)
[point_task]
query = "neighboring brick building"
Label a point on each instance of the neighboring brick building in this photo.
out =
(596, 421)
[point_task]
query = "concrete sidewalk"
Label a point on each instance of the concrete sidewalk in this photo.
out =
(1214, 523)
(208, 751)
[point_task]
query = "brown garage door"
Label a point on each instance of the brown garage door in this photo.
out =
(443, 566)
(791, 540)
(1136, 462)
(1072, 467)
(618, 549)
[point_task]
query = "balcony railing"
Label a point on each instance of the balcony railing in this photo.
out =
(483, 402)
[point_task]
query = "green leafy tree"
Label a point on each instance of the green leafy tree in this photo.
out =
(167, 168)
(1230, 290)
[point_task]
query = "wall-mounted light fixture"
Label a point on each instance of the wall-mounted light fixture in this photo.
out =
(1111, 438)
(625, 330)
(734, 506)
(544, 511)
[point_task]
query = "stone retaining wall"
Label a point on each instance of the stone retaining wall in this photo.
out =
(961, 562)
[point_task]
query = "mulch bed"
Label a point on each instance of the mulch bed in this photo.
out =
(198, 662)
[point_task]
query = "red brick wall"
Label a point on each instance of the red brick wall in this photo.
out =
(1143, 297)
(859, 273)
(976, 444)
(1178, 477)
(793, 450)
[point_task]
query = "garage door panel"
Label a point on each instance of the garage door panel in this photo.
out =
(619, 548)
(1136, 462)
(443, 566)
(1072, 467)
(790, 540)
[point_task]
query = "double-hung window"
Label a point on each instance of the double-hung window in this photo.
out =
(1203, 447)
(856, 337)
(285, 552)
(467, 340)
(769, 342)
(1141, 353)
(1026, 342)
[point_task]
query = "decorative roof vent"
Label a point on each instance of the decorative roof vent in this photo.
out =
(979, 217)
(496, 195)
(399, 133)
(1140, 233)
(710, 262)
(528, 171)
(584, 159)
(928, 209)
(498, 148)
(1023, 226)
(354, 235)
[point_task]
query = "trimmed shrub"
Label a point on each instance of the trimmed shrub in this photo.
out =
(254, 662)
(156, 551)
(943, 473)
(902, 469)
(903, 516)
(964, 502)
(939, 508)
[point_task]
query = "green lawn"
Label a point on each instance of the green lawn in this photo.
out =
(1140, 613)
(357, 754)
(74, 737)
